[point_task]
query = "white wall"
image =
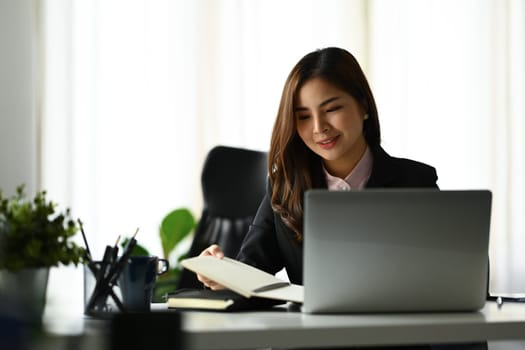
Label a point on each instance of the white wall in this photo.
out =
(18, 155)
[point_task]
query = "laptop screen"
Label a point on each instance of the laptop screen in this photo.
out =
(392, 250)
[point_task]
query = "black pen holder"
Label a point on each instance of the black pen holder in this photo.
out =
(100, 298)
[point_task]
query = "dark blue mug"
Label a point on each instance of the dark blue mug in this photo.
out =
(137, 281)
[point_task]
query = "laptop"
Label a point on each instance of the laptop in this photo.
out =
(396, 250)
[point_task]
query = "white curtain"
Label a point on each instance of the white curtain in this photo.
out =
(450, 85)
(135, 92)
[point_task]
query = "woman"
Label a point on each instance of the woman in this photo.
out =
(326, 135)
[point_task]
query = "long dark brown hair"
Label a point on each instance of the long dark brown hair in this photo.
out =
(292, 166)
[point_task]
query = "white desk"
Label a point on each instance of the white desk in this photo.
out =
(204, 330)
(281, 329)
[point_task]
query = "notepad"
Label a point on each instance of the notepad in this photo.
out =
(202, 299)
(220, 300)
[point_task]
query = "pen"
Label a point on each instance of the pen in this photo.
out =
(92, 266)
(88, 251)
(109, 257)
(99, 292)
(131, 243)
(119, 265)
(114, 251)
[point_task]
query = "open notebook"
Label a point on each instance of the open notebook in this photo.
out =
(249, 287)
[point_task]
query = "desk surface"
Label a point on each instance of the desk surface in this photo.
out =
(251, 330)
(205, 330)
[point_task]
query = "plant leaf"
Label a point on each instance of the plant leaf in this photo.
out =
(34, 234)
(174, 227)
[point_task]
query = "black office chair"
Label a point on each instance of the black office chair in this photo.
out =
(233, 184)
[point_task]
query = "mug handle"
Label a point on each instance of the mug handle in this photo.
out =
(162, 266)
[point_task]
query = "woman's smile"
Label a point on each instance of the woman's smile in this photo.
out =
(328, 143)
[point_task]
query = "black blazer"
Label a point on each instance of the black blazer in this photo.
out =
(269, 244)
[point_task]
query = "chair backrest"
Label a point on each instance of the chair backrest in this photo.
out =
(233, 184)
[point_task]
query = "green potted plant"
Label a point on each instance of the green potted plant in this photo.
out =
(34, 236)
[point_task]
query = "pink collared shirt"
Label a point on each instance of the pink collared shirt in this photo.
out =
(357, 178)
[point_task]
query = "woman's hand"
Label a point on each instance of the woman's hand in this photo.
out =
(216, 251)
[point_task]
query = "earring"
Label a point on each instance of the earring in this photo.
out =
(365, 116)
